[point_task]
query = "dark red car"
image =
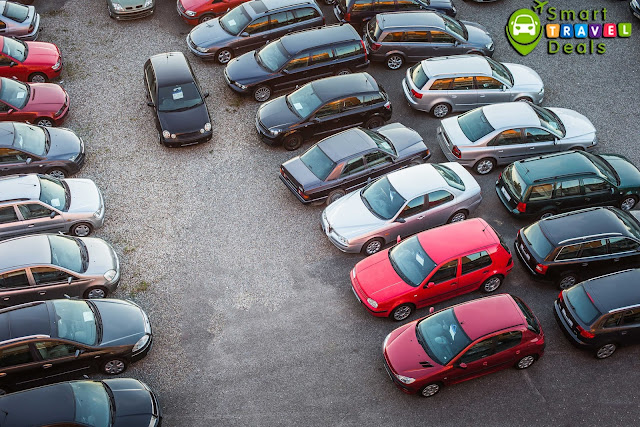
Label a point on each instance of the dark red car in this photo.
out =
(463, 342)
(196, 12)
(43, 104)
(430, 267)
(36, 62)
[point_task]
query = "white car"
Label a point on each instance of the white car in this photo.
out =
(523, 24)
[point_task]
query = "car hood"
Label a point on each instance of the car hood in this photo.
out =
(194, 4)
(628, 173)
(245, 68)
(276, 113)
(524, 78)
(477, 34)
(576, 125)
(300, 173)
(40, 53)
(122, 322)
(45, 97)
(64, 144)
(85, 196)
(186, 121)
(401, 136)
(350, 218)
(133, 403)
(405, 353)
(209, 34)
(102, 257)
(451, 127)
(378, 279)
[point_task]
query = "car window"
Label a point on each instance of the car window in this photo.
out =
(54, 350)
(442, 37)
(447, 271)
(568, 188)
(9, 155)
(34, 211)
(450, 177)
(14, 93)
(371, 99)
(5, 61)
(299, 61)
(595, 185)
(350, 103)
(348, 50)
(594, 248)
(622, 244)
(395, 36)
(507, 340)
(484, 82)
(414, 206)
(353, 166)
(462, 83)
(541, 192)
(508, 137)
(441, 84)
(281, 19)
(582, 304)
(612, 321)
(631, 317)
(14, 279)
(305, 14)
(321, 56)
(8, 215)
(377, 158)
(534, 135)
(179, 97)
(384, 5)
(568, 252)
(475, 262)
(416, 36)
(47, 275)
(258, 26)
(329, 109)
(361, 5)
(478, 351)
(15, 355)
(2, 24)
(437, 198)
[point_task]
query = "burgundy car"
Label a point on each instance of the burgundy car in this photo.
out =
(36, 62)
(463, 342)
(43, 104)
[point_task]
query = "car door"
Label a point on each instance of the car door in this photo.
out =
(280, 23)
(463, 93)
(37, 218)
(59, 361)
(295, 73)
(474, 271)
(439, 286)
(412, 217)
(15, 287)
(568, 196)
(354, 174)
(326, 119)
(378, 163)
(6, 69)
(473, 362)
(508, 146)
(540, 141)
(624, 253)
(630, 333)
(256, 34)
(152, 92)
(352, 112)
(11, 161)
(440, 206)
(51, 282)
(417, 46)
(10, 224)
(506, 351)
(597, 192)
(443, 43)
(490, 91)
(17, 365)
(321, 63)
(594, 259)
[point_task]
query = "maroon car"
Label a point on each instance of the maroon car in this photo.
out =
(36, 62)
(43, 104)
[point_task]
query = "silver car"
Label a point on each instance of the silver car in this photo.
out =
(400, 204)
(462, 82)
(503, 133)
(42, 204)
(19, 21)
(48, 266)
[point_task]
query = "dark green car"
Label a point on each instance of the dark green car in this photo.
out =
(131, 9)
(547, 185)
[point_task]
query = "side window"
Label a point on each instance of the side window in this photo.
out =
(447, 271)
(33, 211)
(54, 350)
(14, 279)
(438, 198)
(361, 5)
(534, 135)
(441, 84)
(321, 56)
(413, 207)
(507, 340)
(9, 155)
(384, 5)
(351, 102)
(541, 192)
(462, 83)
(395, 36)
(348, 50)
(8, 215)
(595, 185)
(281, 19)
(372, 98)
(258, 26)
(484, 82)
(594, 248)
(416, 36)
(47, 275)
(508, 137)
(16, 355)
(612, 321)
(568, 252)
(442, 37)
(407, 5)
(622, 244)
(568, 188)
(479, 351)
(329, 109)
(475, 262)
(4, 107)
(5, 61)
(299, 61)
(2, 24)
(631, 317)
(376, 158)
(305, 14)
(353, 166)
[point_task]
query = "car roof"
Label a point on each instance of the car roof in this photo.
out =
(262, 6)
(171, 68)
(55, 403)
(307, 39)
(27, 250)
(614, 291)
(345, 144)
(441, 245)
(582, 224)
(417, 18)
(336, 86)
(511, 114)
(486, 315)
(404, 180)
(20, 187)
(456, 64)
(24, 320)
(556, 165)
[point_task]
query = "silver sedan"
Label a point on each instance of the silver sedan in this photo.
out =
(401, 203)
(503, 133)
(19, 21)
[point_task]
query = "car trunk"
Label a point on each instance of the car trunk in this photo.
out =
(525, 251)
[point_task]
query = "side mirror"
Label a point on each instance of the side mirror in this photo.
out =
(78, 353)
(206, 94)
(67, 296)
(456, 43)
(398, 239)
(285, 71)
(401, 220)
(315, 120)
(150, 104)
(427, 286)
(10, 110)
(431, 310)
(244, 34)
(69, 279)
(504, 88)
(12, 64)
(29, 160)
(462, 365)
(53, 214)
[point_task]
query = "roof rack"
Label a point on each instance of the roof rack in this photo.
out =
(565, 176)
(591, 236)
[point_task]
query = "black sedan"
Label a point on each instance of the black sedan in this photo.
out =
(117, 402)
(348, 160)
(182, 117)
(26, 148)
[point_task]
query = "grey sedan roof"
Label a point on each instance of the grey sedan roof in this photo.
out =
(417, 18)
(27, 250)
(404, 180)
(333, 87)
(345, 144)
(20, 187)
(511, 114)
(456, 64)
(615, 291)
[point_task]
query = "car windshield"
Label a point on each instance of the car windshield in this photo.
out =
(382, 199)
(76, 321)
(499, 71)
(235, 20)
(14, 93)
(30, 138)
(606, 170)
(272, 56)
(178, 97)
(441, 336)
(381, 141)
(550, 121)
(68, 252)
(450, 176)
(52, 192)
(418, 76)
(318, 162)
(514, 181)
(629, 221)
(537, 241)
(92, 403)
(474, 124)
(15, 49)
(411, 262)
(303, 101)
(582, 304)
(455, 27)
(532, 322)
(17, 12)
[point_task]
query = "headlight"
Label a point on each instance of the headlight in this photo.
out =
(57, 65)
(207, 127)
(341, 239)
(274, 132)
(489, 46)
(190, 13)
(406, 380)
(173, 136)
(59, 112)
(372, 303)
(202, 130)
(148, 3)
(97, 213)
(541, 91)
(117, 6)
(141, 343)
(110, 275)
(386, 340)
(241, 86)
(353, 273)
(202, 49)
(166, 134)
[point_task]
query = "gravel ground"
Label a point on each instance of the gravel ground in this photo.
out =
(254, 320)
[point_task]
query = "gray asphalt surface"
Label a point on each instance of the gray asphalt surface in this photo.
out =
(254, 320)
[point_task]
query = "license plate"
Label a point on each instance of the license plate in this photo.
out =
(564, 313)
(357, 297)
(506, 195)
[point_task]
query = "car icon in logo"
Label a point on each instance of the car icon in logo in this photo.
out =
(523, 24)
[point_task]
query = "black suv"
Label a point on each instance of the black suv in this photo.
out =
(323, 107)
(182, 117)
(296, 59)
(601, 314)
(360, 11)
(546, 185)
(579, 245)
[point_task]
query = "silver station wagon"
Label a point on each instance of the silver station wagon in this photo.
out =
(462, 82)
(48, 266)
(510, 131)
(43, 204)
(19, 21)
(401, 203)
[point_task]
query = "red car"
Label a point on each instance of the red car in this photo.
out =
(43, 104)
(196, 12)
(430, 267)
(463, 342)
(36, 62)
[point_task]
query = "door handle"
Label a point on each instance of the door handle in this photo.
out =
(484, 363)
(3, 374)
(42, 292)
(47, 366)
(587, 199)
(616, 259)
(5, 299)
(420, 217)
(532, 148)
(481, 96)
(558, 203)
(454, 96)
(584, 264)
(624, 332)
(485, 272)
(453, 284)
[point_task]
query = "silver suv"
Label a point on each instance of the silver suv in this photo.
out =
(49, 266)
(43, 204)
(463, 82)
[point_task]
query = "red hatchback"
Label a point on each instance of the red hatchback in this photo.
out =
(432, 266)
(36, 62)
(463, 342)
(196, 12)
(43, 104)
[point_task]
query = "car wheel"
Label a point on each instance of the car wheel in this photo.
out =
(628, 203)
(38, 78)
(372, 246)
(57, 173)
(416, 161)
(82, 229)
(402, 312)
(430, 389)
(491, 284)
(43, 121)
(395, 61)
(262, 93)
(205, 18)
(224, 55)
(374, 122)
(567, 280)
(293, 141)
(96, 292)
(526, 362)
(114, 366)
(335, 195)
(343, 72)
(524, 99)
(606, 350)
(457, 217)
(441, 110)
(484, 166)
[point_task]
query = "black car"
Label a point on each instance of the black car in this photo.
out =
(115, 402)
(634, 5)
(182, 117)
(48, 341)
(323, 107)
(578, 245)
(296, 59)
(601, 314)
(26, 148)
(348, 160)
(546, 185)
(360, 11)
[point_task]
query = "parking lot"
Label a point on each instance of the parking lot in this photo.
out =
(254, 319)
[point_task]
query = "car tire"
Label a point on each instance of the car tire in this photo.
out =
(567, 280)
(526, 362)
(262, 93)
(96, 292)
(206, 17)
(293, 141)
(484, 166)
(605, 350)
(458, 216)
(335, 195)
(628, 203)
(343, 72)
(372, 246)
(114, 366)
(491, 284)
(395, 62)
(81, 229)
(416, 161)
(58, 173)
(546, 214)
(43, 121)
(524, 99)
(223, 56)
(430, 390)
(38, 78)
(374, 122)
(441, 110)
(402, 312)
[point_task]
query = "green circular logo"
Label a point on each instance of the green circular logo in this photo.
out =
(524, 30)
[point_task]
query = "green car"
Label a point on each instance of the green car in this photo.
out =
(131, 9)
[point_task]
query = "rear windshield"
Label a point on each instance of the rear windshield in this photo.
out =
(318, 162)
(474, 124)
(532, 322)
(373, 29)
(514, 181)
(499, 71)
(580, 302)
(418, 76)
(537, 241)
(450, 176)
(17, 12)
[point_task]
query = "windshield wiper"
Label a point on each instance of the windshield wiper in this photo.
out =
(367, 205)
(290, 107)
(96, 315)
(112, 403)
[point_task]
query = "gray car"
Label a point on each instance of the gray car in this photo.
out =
(398, 37)
(462, 82)
(19, 21)
(401, 203)
(251, 25)
(43, 204)
(48, 266)
(130, 9)
(510, 131)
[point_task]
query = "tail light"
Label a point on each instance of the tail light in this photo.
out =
(542, 269)
(347, 17)
(31, 28)
(456, 151)
(522, 207)
(375, 46)
(281, 171)
(301, 193)
(500, 176)
(365, 49)
(584, 332)
(387, 105)
(415, 94)
(561, 297)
